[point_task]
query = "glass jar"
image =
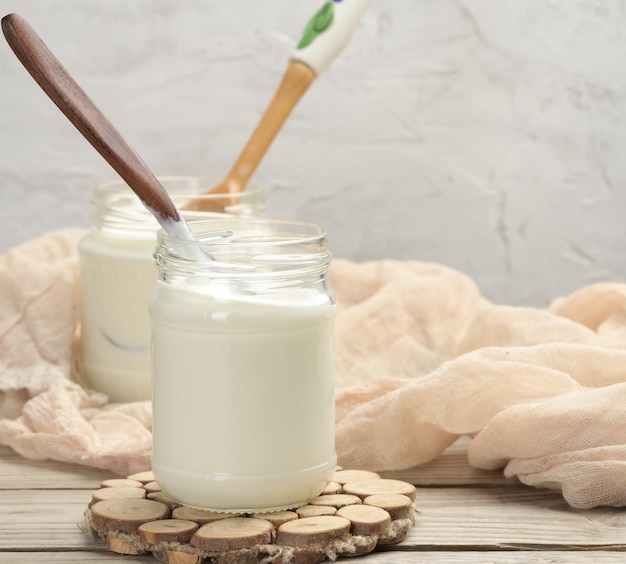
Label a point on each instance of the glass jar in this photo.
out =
(118, 277)
(243, 385)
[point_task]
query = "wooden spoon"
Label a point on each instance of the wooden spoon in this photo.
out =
(71, 99)
(324, 37)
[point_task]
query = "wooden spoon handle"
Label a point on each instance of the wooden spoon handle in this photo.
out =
(295, 82)
(72, 100)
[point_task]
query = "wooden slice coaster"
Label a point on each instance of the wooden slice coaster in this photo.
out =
(277, 518)
(353, 515)
(152, 487)
(121, 483)
(366, 519)
(365, 488)
(117, 493)
(116, 544)
(168, 530)
(398, 506)
(234, 533)
(345, 476)
(177, 557)
(313, 532)
(165, 498)
(200, 516)
(316, 510)
(305, 556)
(361, 545)
(143, 477)
(126, 515)
(247, 556)
(397, 533)
(338, 500)
(332, 488)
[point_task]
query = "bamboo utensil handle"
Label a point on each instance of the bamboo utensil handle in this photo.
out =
(295, 82)
(324, 37)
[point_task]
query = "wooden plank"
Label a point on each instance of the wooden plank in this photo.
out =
(511, 517)
(462, 524)
(517, 518)
(44, 520)
(17, 472)
(69, 557)
(548, 557)
(450, 468)
(496, 557)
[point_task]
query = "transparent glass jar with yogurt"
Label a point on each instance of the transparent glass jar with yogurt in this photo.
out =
(118, 277)
(243, 366)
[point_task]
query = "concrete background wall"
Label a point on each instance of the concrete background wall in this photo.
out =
(487, 135)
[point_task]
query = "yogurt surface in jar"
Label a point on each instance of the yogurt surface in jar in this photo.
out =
(243, 391)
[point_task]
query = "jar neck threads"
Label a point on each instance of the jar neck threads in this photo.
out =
(117, 212)
(252, 251)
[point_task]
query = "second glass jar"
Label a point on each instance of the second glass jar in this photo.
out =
(118, 277)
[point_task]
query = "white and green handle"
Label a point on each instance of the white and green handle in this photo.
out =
(324, 37)
(328, 32)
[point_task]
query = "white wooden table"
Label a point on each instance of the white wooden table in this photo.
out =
(465, 515)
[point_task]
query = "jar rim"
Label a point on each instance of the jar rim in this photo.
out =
(247, 247)
(117, 211)
(221, 229)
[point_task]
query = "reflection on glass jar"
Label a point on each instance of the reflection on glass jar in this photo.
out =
(243, 399)
(118, 277)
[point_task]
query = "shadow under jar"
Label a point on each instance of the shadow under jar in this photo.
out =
(243, 366)
(118, 276)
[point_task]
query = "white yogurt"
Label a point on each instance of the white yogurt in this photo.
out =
(243, 402)
(117, 278)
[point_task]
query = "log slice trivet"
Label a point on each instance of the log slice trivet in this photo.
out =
(332, 488)
(122, 492)
(398, 506)
(336, 500)
(152, 487)
(121, 483)
(126, 515)
(167, 499)
(315, 510)
(168, 530)
(365, 488)
(177, 557)
(277, 518)
(366, 519)
(357, 512)
(345, 476)
(144, 477)
(233, 534)
(200, 516)
(313, 532)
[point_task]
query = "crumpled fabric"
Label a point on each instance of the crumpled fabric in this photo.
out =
(422, 358)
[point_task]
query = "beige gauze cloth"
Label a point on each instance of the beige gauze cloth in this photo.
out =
(422, 358)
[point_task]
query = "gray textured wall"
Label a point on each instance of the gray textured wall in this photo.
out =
(487, 135)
